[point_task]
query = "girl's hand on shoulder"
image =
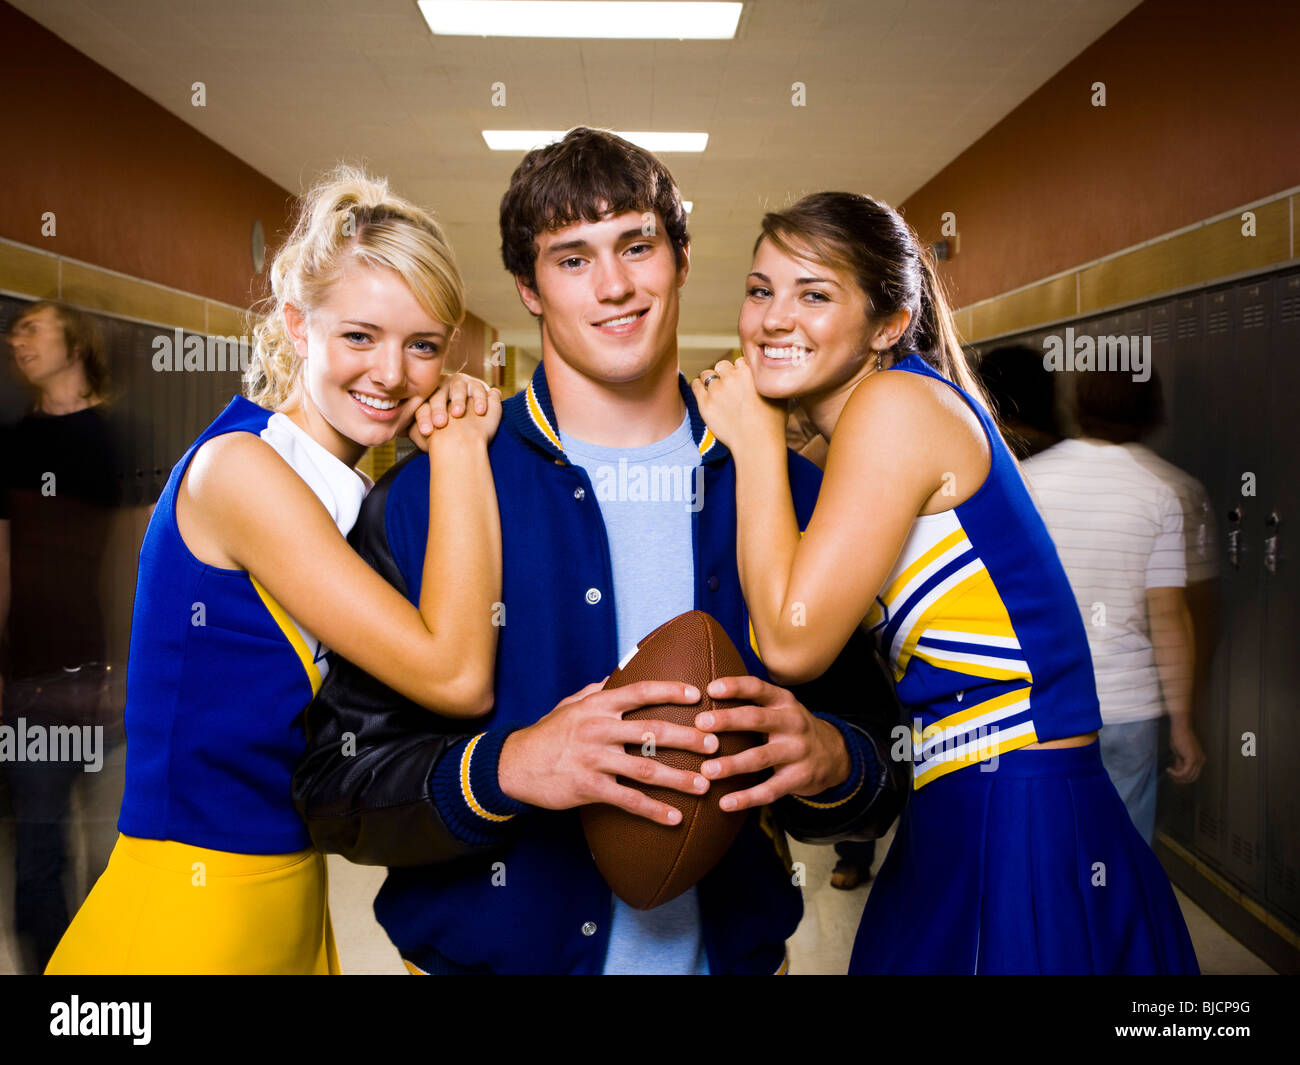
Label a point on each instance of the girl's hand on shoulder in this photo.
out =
(461, 401)
(732, 408)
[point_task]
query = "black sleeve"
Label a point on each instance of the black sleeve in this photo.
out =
(363, 782)
(856, 695)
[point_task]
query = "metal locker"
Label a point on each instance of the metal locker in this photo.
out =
(158, 408)
(1177, 806)
(193, 384)
(1239, 432)
(1191, 447)
(1279, 745)
(1159, 326)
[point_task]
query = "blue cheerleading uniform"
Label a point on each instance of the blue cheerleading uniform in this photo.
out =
(218, 672)
(217, 677)
(1010, 860)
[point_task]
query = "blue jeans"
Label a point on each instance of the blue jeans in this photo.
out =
(1129, 753)
(40, 792)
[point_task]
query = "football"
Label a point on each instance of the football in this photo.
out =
(646, 864)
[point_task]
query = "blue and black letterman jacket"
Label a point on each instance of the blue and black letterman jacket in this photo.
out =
(475, 877)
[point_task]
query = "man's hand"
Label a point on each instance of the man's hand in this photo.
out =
(807, 754)
(572, 756)
(1189, 757)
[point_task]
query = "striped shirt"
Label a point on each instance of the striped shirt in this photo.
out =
(1119, 531)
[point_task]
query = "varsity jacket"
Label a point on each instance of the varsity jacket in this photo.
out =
(482, 881)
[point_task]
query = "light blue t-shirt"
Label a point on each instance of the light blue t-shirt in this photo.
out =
(647, 496)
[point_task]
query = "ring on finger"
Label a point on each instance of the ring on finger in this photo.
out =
(706, 381)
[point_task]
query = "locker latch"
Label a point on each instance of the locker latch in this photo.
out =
(1272, 524)
(1234, 537)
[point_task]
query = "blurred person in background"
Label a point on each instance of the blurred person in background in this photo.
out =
(1023, 397)
(1119, 530)
(1143, 416)
(57, 498)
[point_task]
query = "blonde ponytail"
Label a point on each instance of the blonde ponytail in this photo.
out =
(348, 215)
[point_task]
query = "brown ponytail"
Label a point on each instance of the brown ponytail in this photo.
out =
(936, 333)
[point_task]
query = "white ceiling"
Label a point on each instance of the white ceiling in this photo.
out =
(895, 90)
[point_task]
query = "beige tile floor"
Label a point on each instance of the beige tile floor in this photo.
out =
(821, 945)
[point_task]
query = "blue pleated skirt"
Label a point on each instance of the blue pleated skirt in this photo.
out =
(1032, 867)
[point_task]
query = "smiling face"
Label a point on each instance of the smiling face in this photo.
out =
(803, 326)
(607, 297)
(372, 354)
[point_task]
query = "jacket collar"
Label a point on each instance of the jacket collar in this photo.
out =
(532, 416)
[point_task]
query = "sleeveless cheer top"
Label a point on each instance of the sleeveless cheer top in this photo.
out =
(980, 624)
(218, 671)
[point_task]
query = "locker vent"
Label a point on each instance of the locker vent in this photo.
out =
(1289, 308)
(1208, 825)
(1218, 322)
(1187, 327)
(1159, 331)
(1242, 850)
(1253, 317)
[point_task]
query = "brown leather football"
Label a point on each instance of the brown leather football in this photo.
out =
(645, 863)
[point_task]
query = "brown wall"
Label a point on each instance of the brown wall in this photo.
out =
(1201, 116)
(133, 188)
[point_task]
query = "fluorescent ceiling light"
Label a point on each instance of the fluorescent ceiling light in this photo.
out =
(524, 140)
(585, 18)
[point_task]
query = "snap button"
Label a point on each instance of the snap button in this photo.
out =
(560, 462)
(713, 584)
(593, 596)
(579, 493)
(589, 928)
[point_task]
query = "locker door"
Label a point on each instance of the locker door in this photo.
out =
(1176, 808)
(159, 408)
(1160, 327)
(1239, 431)
(193, 387)
(1191, 391)
(1279, 745)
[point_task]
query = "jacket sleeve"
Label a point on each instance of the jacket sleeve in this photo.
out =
(366, 782)
(856, 696)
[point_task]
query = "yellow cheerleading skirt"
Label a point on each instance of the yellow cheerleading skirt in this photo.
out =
(166, 907)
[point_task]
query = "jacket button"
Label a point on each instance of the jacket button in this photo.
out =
(579, 493)
(713, 584)
(589, 928)
(593, 596)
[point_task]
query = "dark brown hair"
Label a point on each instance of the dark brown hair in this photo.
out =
(1112, 406)
(84, 340)
(870, 241)
(581, 178)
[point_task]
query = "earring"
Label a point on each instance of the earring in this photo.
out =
(878, 360)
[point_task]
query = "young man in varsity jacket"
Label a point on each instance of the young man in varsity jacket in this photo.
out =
(478, 821)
